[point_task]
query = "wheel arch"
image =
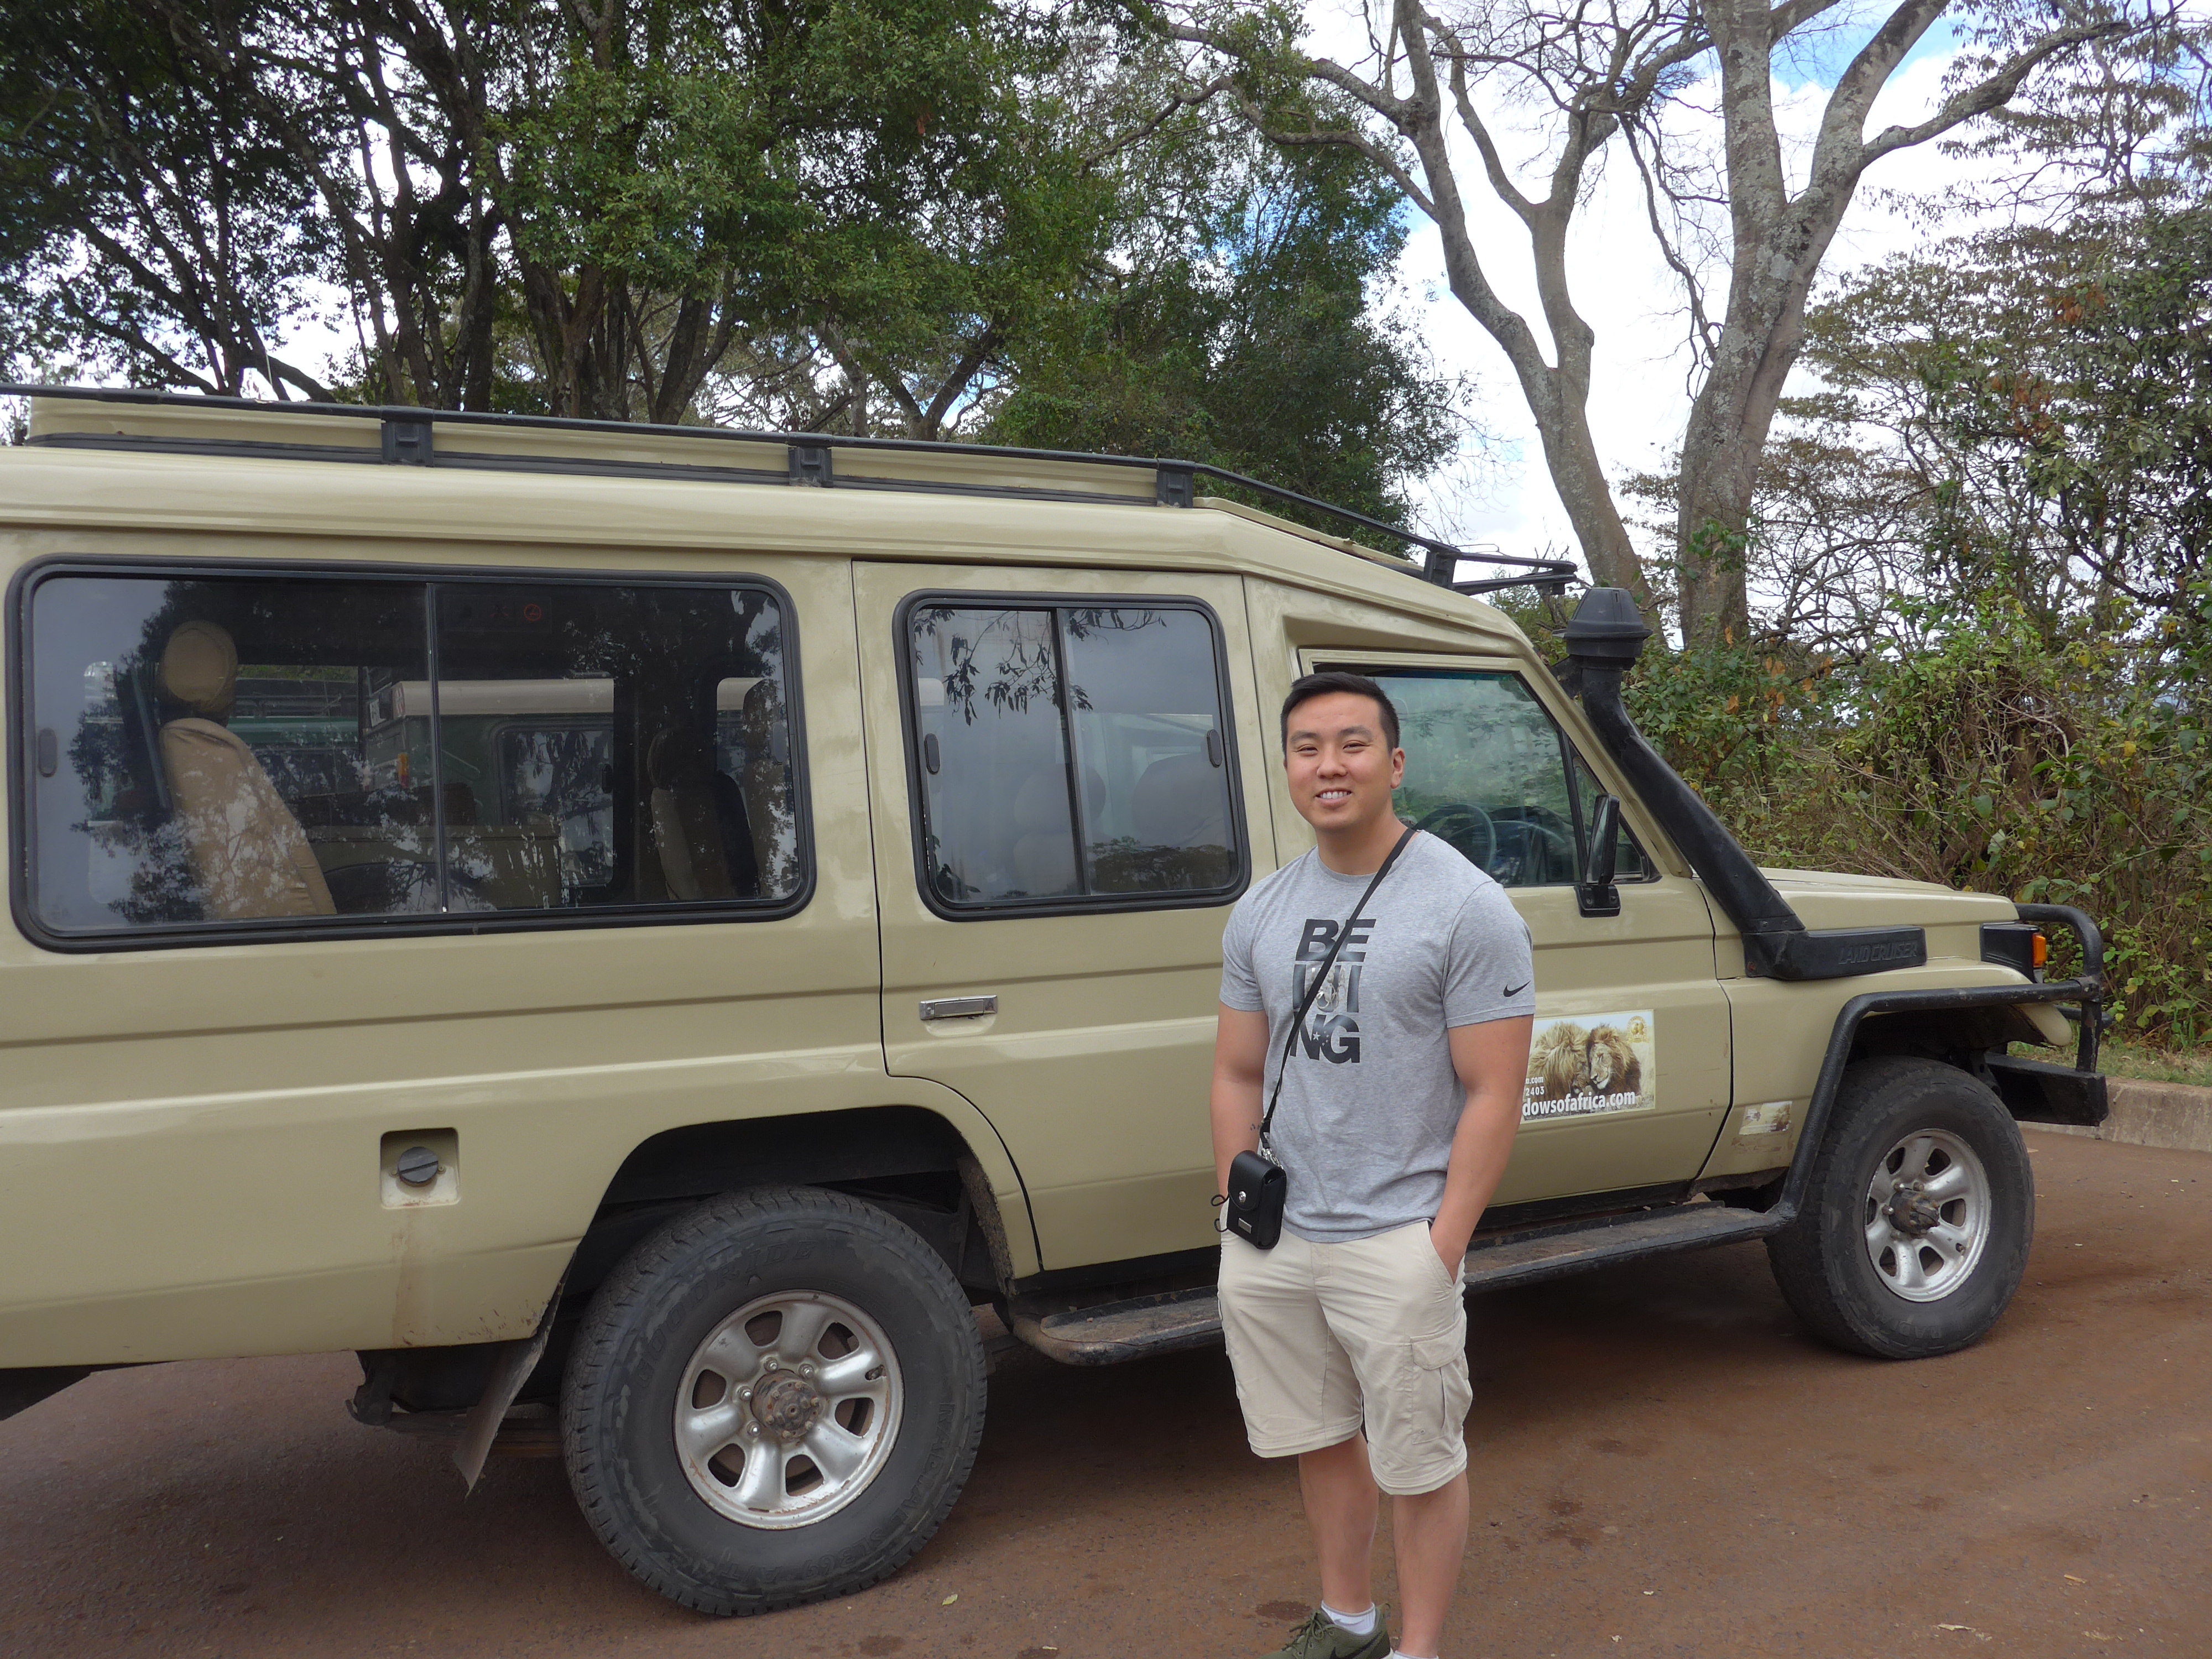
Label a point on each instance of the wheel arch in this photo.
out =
(958, 1190)
(1954, 1035)
(1935, 1015)
(909, 1160)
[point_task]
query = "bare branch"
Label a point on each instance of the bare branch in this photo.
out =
(1324, 69)
(1493, 164)
(1995, 90)
(1341, 138)
(1704, 340)
(1784, 21)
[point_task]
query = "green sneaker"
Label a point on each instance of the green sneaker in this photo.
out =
(1322, 1637)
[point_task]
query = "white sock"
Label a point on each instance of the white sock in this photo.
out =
(1359, 1624)
(1397, 1654)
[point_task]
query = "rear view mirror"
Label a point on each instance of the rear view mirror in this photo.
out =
(1596, 892)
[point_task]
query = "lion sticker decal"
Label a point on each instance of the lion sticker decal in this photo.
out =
(1591, 1064)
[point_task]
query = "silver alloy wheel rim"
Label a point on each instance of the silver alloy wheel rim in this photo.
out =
(788, 1410)
(1926, 1215)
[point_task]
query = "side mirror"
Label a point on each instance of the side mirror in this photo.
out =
(1596, 893)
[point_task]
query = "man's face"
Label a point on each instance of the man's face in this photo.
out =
(1341, 768)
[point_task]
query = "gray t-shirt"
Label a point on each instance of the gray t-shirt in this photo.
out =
(1370, 1101)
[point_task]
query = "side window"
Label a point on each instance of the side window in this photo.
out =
(228, 749)
(1489, 771)
(1070, 753)
(197, 752)
(610, 745)
(1629, 863)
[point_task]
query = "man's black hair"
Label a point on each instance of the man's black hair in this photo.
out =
(1306, 688)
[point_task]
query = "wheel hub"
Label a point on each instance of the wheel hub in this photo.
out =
(1928, 1216)
(786, 1405)
(1912, 1210)
(788, 1409)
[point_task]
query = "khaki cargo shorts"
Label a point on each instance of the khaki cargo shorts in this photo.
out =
(1326, 1339)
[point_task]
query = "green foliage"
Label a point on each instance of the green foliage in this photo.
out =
(2047, 397)
(1249, 342)
(1982, 650)
(884, 180)
(2074, 770)
(923, 217)
(154, 223)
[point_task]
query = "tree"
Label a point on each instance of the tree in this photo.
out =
(1250, 342)
(898, 216)
(643, 193)
(153, 223)
(863, 185)
(406, 85)
(2025, 412)
(1588, 77)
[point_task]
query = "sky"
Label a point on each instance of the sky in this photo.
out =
(1500, 494)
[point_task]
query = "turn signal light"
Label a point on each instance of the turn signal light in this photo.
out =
(2019, 945)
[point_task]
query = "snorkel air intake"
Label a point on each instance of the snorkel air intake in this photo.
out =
(1603, 641)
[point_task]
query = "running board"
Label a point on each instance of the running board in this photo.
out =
(1107, 1332)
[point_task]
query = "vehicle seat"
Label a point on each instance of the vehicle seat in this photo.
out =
(766, 787)
(687, 828)
(1180, 813)
(1043, 852)
(1180, 802)
(246, 850)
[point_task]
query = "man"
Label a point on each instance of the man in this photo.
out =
(1399, 1101)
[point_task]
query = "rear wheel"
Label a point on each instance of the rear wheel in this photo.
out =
(1918, 1215)
(775, 1399)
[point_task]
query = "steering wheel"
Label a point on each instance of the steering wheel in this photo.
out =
(1467, 827)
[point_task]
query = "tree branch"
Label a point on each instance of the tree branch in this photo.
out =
(965, 370)
(1703, 342)
(1493, 164)
(1988, 94)
(1324, 69)
(1179, 100)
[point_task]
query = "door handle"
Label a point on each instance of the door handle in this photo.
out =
(959, 1007)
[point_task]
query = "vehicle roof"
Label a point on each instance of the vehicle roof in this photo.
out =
(227, 472)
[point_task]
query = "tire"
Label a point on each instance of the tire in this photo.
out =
(899, 1364)
(1862, 1265)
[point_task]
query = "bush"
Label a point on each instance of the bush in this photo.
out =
(2071, 767)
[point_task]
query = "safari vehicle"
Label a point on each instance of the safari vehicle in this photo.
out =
(646, 931)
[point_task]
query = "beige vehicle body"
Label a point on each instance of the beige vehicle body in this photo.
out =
(200, 1126)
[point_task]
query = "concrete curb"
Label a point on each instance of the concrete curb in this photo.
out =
(2171, 1115)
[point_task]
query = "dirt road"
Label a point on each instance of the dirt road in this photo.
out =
(1664, 1465)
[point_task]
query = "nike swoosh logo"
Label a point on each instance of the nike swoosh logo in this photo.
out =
(1516, 990)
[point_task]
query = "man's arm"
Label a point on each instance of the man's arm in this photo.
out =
(1493, 1062)
(1239, 1067)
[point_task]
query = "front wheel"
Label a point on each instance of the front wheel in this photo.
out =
(775, 1399)
(1917, 1218)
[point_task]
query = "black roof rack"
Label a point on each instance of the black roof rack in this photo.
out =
(407, 436)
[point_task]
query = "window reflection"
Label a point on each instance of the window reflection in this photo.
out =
(236, 748)
(1033, 721)
(1487, 770)
(605, 745)
(212, 730)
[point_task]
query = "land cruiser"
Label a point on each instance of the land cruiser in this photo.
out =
(642, 933)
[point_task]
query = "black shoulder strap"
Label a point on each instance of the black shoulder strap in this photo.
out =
(1313, 984)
